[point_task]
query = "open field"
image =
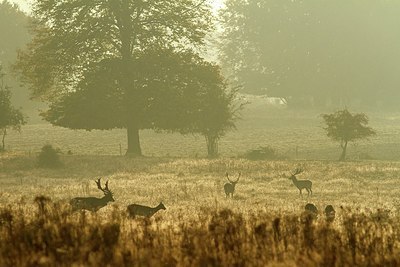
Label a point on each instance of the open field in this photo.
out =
(263, 225)
(200, 226)
(284, 130)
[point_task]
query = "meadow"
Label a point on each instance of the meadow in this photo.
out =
(262, 225)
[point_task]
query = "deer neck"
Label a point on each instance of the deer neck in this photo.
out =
(105, 199)
(294, 179)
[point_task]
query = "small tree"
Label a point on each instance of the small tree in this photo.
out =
(10, 117)
(209, 107)
(345, 127)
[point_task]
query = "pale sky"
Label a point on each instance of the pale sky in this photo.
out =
(25, 4)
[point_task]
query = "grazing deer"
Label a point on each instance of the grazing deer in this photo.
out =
(93, 203)
(301, 184)
(311, 210)
(139, 210)
(330, 213)
(230, 187)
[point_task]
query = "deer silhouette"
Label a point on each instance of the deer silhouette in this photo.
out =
(93, 203)
(301, 184)
(311, 209)
(230, 187)
(140, 210)
(330, 213)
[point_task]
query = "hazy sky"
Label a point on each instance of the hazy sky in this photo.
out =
(24, 4)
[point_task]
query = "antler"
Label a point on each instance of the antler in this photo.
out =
(297, 171)
(105, 190)
(227, 176)
(237, 180)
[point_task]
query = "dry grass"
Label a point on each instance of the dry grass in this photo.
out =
(262, 225)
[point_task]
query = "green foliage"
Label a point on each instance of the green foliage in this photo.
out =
(49, 157)
(262, 153)
(123, 67)
(10, 117)
(344, 127)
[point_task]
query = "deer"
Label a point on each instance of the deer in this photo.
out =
(311, 209)
(93, 203)
(330, 213)
(230, 187)
(145, 211)
(301, 184)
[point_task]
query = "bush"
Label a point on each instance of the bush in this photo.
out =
(48, 157)
(262, 153)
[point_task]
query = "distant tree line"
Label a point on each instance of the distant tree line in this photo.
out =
(314, 53)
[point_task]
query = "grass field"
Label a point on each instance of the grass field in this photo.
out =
(284, 130)
(263, 225)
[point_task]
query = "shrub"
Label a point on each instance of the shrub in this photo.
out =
(49, 158)
(262, 153)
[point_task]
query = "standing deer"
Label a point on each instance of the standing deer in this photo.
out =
(230, 187)
(93, 203)
(301, 184)
(139, 210)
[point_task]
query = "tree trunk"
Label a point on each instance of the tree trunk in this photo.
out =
(3, 147)
(128, 83)
(212, 146)
(133, 141)
(344, 149)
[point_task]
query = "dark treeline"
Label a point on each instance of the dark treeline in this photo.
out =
(315, 53)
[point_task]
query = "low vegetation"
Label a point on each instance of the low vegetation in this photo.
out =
(263, 224)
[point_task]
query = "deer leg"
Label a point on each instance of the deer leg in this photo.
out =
(311, 191)
(300, 192)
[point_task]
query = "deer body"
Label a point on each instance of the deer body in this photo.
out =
(230, 187)
(89, 203)
(92, 203)
(140, 210)
(301, 184)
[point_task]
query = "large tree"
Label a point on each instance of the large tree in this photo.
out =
(133, 47)
(344, 126)
(318, 52)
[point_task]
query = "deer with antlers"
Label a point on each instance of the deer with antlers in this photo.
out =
(93, 203)
(139, 210)
(301, 184)
(230, 187)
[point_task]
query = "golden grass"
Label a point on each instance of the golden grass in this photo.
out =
(200, 226)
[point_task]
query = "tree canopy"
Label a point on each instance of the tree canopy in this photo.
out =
(120, 63)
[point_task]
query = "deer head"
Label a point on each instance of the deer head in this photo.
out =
(107, 192)
(297, 171)
(233, 182)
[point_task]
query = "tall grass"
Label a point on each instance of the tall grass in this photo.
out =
(263, 225)
(53, 236)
